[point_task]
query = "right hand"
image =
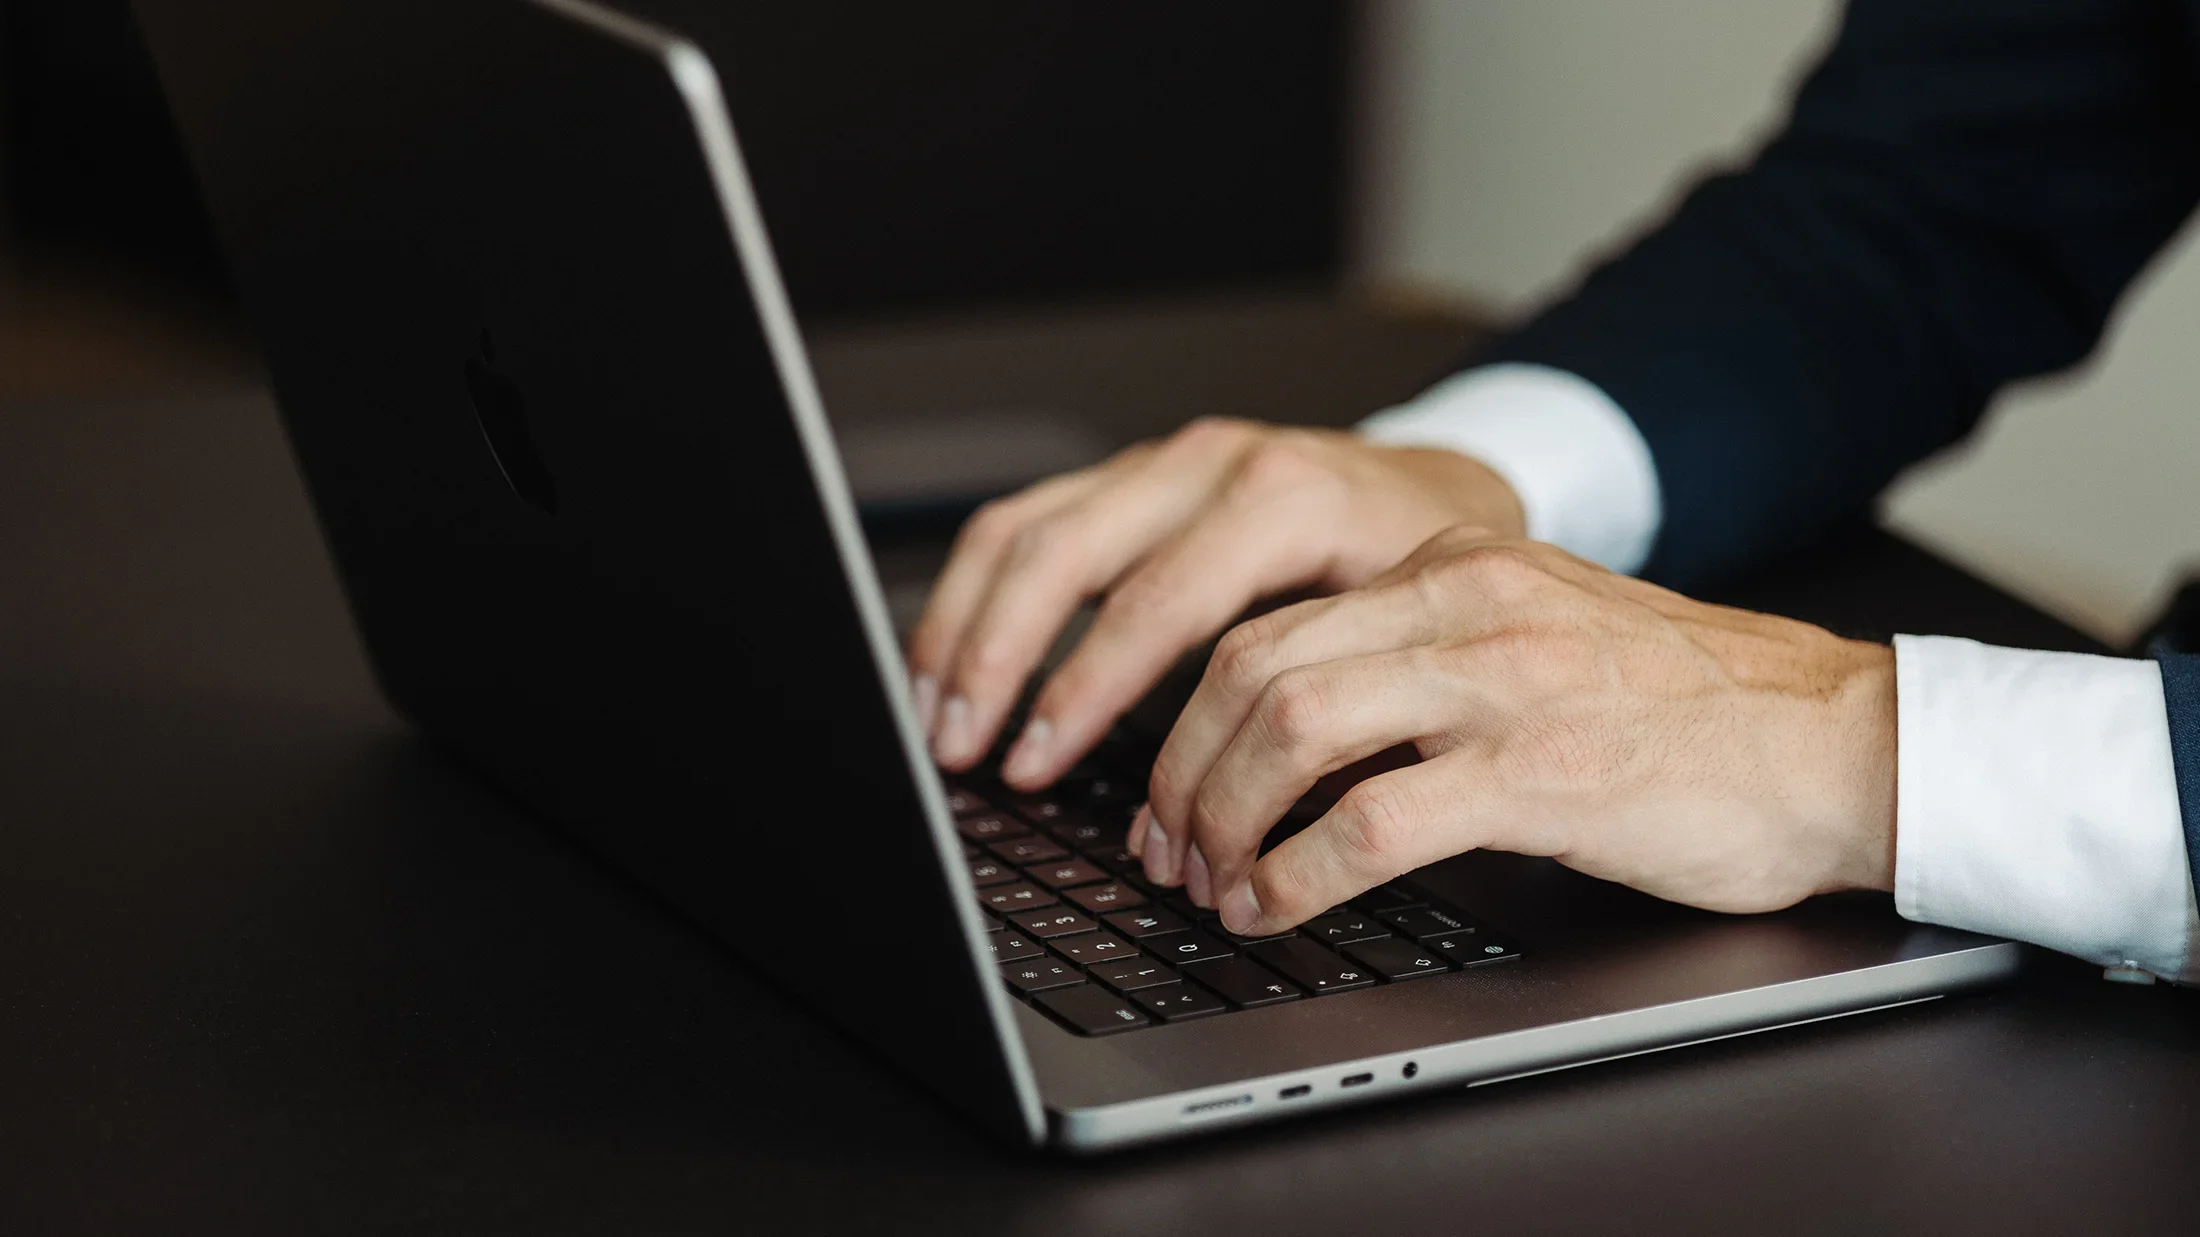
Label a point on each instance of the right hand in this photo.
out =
(1179, 537)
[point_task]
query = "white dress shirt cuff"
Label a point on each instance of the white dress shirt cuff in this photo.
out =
(1581, 469)
(2036, 799)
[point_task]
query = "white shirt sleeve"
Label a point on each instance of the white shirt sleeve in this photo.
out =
(2037, 799)
(1581, 469)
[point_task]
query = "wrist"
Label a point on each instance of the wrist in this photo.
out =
(1865, 743)
(1475, 493)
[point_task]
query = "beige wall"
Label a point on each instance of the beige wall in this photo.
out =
(1511, 140)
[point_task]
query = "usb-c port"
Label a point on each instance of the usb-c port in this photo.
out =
(1300, 1091)
(1359, 1080)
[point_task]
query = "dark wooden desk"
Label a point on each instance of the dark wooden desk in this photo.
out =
(267, 965)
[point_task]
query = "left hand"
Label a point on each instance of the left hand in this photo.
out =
(1725, 759)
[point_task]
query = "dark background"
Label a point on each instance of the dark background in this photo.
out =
(910, 157)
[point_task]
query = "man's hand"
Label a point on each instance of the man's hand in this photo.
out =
(1712, 756)
(1180, 536)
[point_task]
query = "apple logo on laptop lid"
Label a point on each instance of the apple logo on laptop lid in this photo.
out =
(502, 413)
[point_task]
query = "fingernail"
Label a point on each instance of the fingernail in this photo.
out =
(924, 690)
(1198, 882)
(954, 736)
(1027, 758)
(1157, 853)
(1136, 842)
(1240, 909)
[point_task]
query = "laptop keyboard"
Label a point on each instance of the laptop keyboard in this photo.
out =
(1079, 933)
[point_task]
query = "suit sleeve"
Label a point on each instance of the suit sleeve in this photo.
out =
(1962, 192)
(2181, 701)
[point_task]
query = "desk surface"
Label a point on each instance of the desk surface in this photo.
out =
(267, 965)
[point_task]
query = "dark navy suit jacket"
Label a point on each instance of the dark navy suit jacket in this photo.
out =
(1963, 191)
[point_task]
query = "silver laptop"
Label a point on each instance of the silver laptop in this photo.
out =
(532, 351)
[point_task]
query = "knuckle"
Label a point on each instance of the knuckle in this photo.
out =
(1496, 561)
(1288, 466)
(1050, 542)
(984, 664)
(1375, 825)
(1501, 571)
(1244, 654)
(1135, 603)
(1202, 433)
(1462, 537)
(1278, 463)
(993, 522)
(1283, 889)
(1294, 711)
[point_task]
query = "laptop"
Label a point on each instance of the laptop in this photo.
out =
(533, 356)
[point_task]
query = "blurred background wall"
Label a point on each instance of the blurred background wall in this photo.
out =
(1509, 142)
(992, 156)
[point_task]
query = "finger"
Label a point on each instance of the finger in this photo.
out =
(1382, 828)
(1460, 585)
(1308, 722)
(1246, 546)
(1248, 656)
(978, 548)
(1142, 828)
(1051, 566)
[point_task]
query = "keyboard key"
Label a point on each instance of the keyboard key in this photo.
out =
(1345, 929)
(1016, 897)
(1473, 948)
(1422, 922)
(1395, 958)
(1392, 897)
(1062, 873)
(1091, 1010)
(1181, 902)
(1192, 946)
(991, 827)
(993, 872)
(1048, 924)
(1014, 947)
(1087, 948)
(1131, 974)
(1082, 833)
(1113, 896)
(1045, 810)
(1138, 925)
(971, 850)
(1040, 974)
(1103, 789)
(1311, 967)
(1244, 982)
(1116, 858)
(1179, 1002)
(1027, 851)
(964, 803)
